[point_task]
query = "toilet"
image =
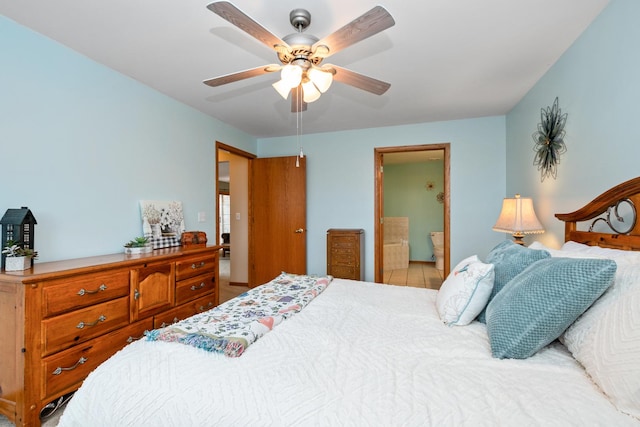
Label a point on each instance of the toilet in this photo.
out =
(437, 238)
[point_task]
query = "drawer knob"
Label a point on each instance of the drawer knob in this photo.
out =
(132, 339)
(59, 369)
(81, 325)
(101, 288)
(203, 308)
(200, 286)
(194, 266)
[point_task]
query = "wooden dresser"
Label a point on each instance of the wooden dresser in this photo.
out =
(60, 320)
(345, 253)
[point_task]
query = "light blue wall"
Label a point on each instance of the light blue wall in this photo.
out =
(90, 143)
(405, 194)
(81, 145)
(597, 82)
(340, 181)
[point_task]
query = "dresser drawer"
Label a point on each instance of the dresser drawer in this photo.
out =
(66, 330)
(346, 240)
(194, 266)
(70, 367)
(345, 272)
(194, 287)
(343, 254)
(186, 310)
(60, 296)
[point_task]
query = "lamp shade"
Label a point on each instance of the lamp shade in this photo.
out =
(322, 79)
(291, 75)
(282, 87)
(518, 218)
(310, 92)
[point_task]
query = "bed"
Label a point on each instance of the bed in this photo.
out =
(361, 353)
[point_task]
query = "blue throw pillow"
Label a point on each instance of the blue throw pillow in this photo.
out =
(537, 305)
(509, 259)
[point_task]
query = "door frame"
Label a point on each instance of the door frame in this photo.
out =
(379, 201)
(220, 146)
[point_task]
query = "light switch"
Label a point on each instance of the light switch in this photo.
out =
(237, 216)
(202, 216)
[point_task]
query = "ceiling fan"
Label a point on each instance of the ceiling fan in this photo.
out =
(300, 54)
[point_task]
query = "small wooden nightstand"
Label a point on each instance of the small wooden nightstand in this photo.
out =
(345, 253)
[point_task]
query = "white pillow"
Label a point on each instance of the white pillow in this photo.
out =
(597, 251)
(465, 292)
(579, 250)
(568, 251)
(606, 339)
(575, 246)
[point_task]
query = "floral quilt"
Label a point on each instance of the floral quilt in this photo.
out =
(233, 326)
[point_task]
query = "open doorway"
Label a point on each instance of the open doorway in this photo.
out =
(412, 215)
(232, 226)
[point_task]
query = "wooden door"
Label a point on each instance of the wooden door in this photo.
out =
(277, 228)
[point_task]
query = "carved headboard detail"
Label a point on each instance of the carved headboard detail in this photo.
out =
(604, 208)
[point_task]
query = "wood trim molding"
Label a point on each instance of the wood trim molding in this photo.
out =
(379, 200)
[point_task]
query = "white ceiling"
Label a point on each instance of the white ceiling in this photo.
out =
(445, 59)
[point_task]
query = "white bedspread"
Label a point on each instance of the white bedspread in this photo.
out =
(360, 354)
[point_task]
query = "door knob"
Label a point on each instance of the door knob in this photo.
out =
(299, 230)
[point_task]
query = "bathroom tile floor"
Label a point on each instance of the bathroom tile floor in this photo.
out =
(418, 275)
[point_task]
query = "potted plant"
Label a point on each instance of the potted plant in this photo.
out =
(139, 245)
(18, 257)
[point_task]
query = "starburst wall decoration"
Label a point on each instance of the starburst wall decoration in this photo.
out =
(549, 141)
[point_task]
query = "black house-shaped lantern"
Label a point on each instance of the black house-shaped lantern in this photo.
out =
(18, 225)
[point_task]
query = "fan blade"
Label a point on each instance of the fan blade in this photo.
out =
(238, 18)
(241, 75)
(297, 104)
(358, 80)
(367, 25)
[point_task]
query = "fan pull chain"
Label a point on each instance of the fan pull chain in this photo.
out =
(299, 126)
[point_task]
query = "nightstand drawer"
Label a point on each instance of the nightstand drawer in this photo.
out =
(65, 295)
(79, 326)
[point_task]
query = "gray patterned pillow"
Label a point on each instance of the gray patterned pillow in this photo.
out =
(537, 305)
(510, 259)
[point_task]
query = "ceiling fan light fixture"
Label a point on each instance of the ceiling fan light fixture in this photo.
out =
(282, 87)
(291, 75)
(310, 92)
(320, 78)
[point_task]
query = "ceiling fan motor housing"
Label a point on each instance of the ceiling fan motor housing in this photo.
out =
(301, 44)
(300, 19)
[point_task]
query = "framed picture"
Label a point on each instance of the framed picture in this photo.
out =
(162, 222)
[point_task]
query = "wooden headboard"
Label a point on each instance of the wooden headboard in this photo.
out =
(603, 209)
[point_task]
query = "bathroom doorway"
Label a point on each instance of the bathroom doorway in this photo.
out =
(412, 215)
